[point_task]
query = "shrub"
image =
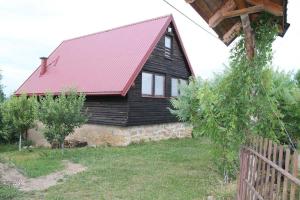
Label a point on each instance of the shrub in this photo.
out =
(236, 103)
(61, 115)
(19, 115)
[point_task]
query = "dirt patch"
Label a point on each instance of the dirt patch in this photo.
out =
(10, 175)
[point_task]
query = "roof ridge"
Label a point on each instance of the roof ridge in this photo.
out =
(124, 26)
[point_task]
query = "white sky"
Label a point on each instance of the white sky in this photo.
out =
(30, 29)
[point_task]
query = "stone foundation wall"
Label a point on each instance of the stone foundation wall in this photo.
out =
(117, 136)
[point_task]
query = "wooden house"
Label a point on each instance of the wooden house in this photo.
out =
(128, 75)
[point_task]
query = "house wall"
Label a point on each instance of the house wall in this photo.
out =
(99, 135)
(108, 110)
(149, 110)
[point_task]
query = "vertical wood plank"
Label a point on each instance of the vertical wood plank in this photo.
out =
(263, 174)
(286, 168)
(267, 179)
(240, 183)
(278, 173)
(295, 173)
(259, 165)
(274, 172)
(249, 169)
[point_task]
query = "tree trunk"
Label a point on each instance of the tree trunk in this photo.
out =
(20, 142)
(62, 147)
(26, 135)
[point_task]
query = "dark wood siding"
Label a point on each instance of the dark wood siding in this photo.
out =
(109, 110)
(147, 110)
(135, 109)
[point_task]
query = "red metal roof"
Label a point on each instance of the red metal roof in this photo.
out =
(104, 63)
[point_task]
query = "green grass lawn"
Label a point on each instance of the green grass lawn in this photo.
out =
(173, 169)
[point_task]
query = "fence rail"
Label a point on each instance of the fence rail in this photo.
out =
(268, 171)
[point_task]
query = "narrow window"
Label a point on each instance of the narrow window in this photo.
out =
(159, 85)
(168, 42)
(168, 46)
(147, 83)
(174, 87)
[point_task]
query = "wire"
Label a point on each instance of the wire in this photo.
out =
(193, 21)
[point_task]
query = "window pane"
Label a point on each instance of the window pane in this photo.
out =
(147, 83)
(168, 42)
(174, 87)
(159, 85)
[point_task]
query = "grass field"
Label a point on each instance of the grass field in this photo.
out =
(173, 169)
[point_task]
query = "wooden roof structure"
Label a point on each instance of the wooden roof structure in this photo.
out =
(226, 17)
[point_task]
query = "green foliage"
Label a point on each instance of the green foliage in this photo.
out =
(61, 115)
(2, 96)
(287, 93)
(18, 115)
(1, 101)
(236, 103)
(297, 78)
(8, 192)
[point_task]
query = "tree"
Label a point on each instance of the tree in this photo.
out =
(2, 134)
(297, 78)
(19, 114)
(287, 94)
(236, 103)
(2, 96)
(61, 115)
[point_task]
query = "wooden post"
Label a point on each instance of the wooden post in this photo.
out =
(249, 36)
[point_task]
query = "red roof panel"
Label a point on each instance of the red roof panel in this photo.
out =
(102, 63)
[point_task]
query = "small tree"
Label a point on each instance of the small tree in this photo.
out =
(61, 115)
(19, 114)
(237, 103)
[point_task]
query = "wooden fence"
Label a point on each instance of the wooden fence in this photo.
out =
(268, 171)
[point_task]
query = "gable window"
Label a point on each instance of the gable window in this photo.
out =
(168, 46)
(153, 84)
(175, 86)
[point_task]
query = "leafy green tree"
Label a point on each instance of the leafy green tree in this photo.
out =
(2, 95)
(19, 114)
(236, 103)
(61, 115)
(2, 134)
(287, 94)
(297, 78)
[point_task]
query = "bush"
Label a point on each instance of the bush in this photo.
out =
(237, 103)
(18, 115)
(61, 115)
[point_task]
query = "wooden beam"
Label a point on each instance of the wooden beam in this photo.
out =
(240, 3)
(269, 6)
(190, 1)
(219, 15)
(249, 36)
(243, 11)
(233, 31)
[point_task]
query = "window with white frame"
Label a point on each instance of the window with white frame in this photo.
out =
(159, 89)
(175, 86)
(153, 84)
(147, 83)
(168, 46)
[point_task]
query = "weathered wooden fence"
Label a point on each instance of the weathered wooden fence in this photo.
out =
(268, 171)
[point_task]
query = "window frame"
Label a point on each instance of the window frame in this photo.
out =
(168, 51)
(151, 85)
(152, 95)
